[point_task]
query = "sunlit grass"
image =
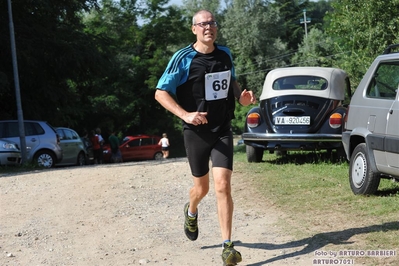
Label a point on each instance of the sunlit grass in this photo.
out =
(314, 192)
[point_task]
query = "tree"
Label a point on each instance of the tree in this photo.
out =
(316, 50)
(140, 52)
(53, 56)
(192, 6)
(361, 30)
(252, 30)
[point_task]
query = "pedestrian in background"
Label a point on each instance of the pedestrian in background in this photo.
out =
(95, 145)
(101, 142)
(116, 156)
(164, 142)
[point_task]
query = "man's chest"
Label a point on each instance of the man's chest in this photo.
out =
(202, 65)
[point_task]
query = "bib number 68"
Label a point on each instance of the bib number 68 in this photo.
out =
(223, 84)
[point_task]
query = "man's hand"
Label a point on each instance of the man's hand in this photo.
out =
(247, 98)
(196, 118)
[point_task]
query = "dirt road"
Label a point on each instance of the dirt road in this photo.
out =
(132, 214)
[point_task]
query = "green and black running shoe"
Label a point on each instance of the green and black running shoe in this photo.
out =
(190, 224)
(230, 256)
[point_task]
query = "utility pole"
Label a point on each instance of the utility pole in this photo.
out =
(17, 90)
(305, 21)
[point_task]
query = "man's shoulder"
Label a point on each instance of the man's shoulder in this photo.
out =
(183, 52)
(223, 48)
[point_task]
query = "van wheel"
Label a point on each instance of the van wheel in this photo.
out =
(44, 159)
(362, 178)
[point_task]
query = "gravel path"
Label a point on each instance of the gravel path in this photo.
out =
(131, 214)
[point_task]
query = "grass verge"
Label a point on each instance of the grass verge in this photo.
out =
(320, 208)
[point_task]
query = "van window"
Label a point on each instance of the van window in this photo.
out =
(384, 84)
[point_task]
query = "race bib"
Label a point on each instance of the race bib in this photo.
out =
(217, 85)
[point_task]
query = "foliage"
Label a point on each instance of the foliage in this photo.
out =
(252, 30)
(292, 12)
(361, 30)
(316, 50)
(192, 6)
(238, 124)
(52, 49)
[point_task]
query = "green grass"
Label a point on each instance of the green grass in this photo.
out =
(313, 191)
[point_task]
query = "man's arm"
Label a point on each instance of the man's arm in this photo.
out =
(167, 101)
(244, 97)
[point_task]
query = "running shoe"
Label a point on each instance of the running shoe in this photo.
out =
(190, 224)
(230, 256)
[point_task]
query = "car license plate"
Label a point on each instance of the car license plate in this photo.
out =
(292, 120)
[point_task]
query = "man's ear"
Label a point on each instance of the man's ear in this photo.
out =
(193, 29)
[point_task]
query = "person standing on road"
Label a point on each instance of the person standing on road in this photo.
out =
(116, 156)
(202, 77)
(96, 146)
(101, 142)
(164, 142)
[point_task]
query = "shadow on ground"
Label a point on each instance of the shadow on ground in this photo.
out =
(314, 243)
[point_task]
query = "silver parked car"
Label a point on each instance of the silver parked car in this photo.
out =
(10, 154)
(74, 151)
(42, 142)
(371, 136)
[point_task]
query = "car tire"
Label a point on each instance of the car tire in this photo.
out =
(81, 159)
(341, 155)
(281, 153)
(158, 156)
(363, 180)
(44, 159)
(254, 155)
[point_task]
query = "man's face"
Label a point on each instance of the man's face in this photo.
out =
(205, 33)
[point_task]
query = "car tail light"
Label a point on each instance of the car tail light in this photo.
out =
(253, 120)
(346, 117)
(335, 120)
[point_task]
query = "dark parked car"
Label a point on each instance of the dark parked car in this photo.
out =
(74, 151)
(10, 154)
(42, 142)
(371, 135)
(139, 147)
(300, 108)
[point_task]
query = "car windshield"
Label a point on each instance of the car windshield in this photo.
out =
(300, 83)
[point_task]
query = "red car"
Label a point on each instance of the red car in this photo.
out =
(138, 147)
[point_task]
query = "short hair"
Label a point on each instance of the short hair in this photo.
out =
(200, 12)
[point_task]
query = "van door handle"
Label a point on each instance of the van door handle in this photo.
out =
(391, 111)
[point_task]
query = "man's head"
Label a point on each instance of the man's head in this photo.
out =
(204, 27)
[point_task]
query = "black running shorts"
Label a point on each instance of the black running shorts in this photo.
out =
(200, 146)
